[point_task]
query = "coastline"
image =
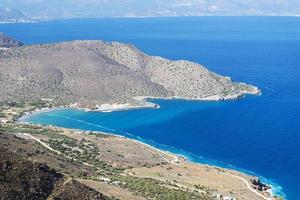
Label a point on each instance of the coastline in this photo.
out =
(177, 157)
(248, 70)
(141, 102)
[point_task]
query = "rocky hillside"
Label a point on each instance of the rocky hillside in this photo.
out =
(24, 179)
(72, 189)
(95, 72)
(7, 42)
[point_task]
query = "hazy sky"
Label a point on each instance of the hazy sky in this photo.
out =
(115, 8)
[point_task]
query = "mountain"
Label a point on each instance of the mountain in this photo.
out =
(7, 42)
(96, 72)
(55, 9)
(8, 15)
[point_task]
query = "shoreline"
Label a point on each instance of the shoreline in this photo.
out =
(142, 102)
(178, 157)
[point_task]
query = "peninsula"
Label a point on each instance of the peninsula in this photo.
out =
(91, 73)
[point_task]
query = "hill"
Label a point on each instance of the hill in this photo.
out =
(95, 72)
(25, 179)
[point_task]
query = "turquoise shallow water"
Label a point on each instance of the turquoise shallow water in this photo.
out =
(259, 133)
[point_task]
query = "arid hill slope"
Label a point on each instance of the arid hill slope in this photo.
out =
(95, 72)
(24, 179)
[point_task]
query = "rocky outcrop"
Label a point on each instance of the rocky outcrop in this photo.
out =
(95, 72)
(7, 42)
(258, 185)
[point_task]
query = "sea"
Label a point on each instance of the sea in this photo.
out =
(259, 135)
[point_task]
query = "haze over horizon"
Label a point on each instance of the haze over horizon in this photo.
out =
(57, 9)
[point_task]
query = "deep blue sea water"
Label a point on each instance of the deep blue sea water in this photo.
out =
(259, 133)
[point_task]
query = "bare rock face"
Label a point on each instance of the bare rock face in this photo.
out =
(95, 72)
(7, 42)
(258, 185)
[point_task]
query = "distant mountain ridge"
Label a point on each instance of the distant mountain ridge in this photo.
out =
(8, 15)
(56, 9)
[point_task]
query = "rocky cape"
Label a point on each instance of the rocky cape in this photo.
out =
(91, 73)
